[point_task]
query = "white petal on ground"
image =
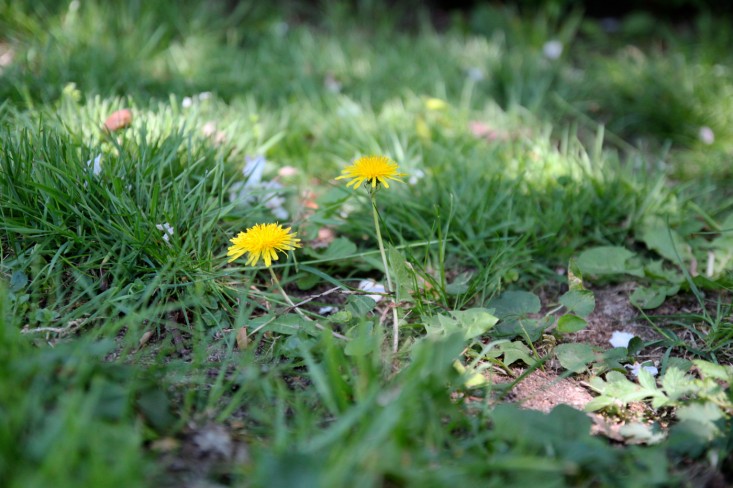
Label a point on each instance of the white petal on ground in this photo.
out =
(287, 171)
(371, 285)
(209, 129)
(332, 84)
(214, 440)
(416, 176)
(271, 195)
(253, 170)
(552, 49)
(280, 213)
(706, 135)
(635, 369)
(621, 339)
(95, 164)
(268, 192)
(475, 74)
(326, 310)
(167, 230)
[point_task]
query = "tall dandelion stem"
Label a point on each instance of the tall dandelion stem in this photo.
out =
(375, 172)
(395, 318)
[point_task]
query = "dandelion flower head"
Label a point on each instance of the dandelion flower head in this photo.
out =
(372, 169)
(262, 241)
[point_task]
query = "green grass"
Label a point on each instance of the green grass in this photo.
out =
(119, 341)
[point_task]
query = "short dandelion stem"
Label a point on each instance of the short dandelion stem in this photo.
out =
(298, 310)
(282, 292)
(395, 318)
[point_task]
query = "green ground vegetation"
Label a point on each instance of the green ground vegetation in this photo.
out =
(534, 176)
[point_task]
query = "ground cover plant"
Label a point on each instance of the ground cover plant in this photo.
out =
(246, 245)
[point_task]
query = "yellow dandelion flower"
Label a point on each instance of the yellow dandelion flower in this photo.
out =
(262, 241)
(372, 169)
(435, 104)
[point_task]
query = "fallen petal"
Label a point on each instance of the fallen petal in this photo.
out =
(118, 120)
(621, 339)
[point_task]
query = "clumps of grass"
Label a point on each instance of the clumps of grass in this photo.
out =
(69, 417)
(122, 232)
(92, 213)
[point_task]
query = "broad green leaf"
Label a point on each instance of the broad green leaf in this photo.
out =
(647, 380)
(472, 379)
(638, 433)
(579, 302)
(704, 415)
(611, 360)
(476, 380)
(476, 321)
(154, 405)
(635, 346)
(528, 329)
(685, 365)
(657, 271)
(618, 389)
(513, 308)
(607, 260)
(18, 280)
(295, 343)
(575, 357)
(652, 296)
(515, 351)
(283, 324)
(113, 399)
(433, 356)
(360, 305)
(562, 427)
(689, 437)
(340, 317)
(362, 340)
(598, 403)
(666, 242)
(677, 384)
(515, 304)
(340, 248)
(459, 284)
(568, 324)
(702, 412)
(715, 371)
(307, 281)
(723, 249)
(471, 323)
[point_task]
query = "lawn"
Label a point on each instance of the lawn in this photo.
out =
(538, 294)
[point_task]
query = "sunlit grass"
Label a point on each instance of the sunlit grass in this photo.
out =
(121, 316)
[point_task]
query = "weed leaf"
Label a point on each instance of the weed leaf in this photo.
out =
(575, 357)
(580, 302)
(471, 323)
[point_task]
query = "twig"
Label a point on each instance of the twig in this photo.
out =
(71, 327)
(299, 311)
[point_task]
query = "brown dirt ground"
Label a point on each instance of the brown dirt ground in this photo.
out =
(547, 388)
